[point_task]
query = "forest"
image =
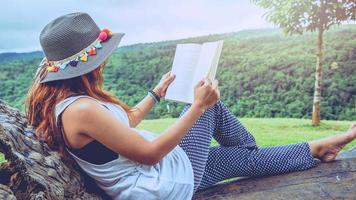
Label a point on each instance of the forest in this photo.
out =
(262, 73)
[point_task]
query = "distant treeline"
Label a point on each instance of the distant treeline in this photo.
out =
(262, 73)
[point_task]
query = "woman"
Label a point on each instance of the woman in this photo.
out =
(74, 115)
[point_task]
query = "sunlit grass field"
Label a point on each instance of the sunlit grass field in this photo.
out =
(1, 158)
(273, 131)
(269, 131)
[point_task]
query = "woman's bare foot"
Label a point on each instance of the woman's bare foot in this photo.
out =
(327, 149)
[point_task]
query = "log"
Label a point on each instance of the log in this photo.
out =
(34, 171)
(6, 193)
(334, 180)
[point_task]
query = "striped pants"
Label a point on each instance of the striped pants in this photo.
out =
(237, 155)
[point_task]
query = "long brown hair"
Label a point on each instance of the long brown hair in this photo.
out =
(43, 97)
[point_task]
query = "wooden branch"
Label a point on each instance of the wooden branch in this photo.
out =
(6, 193)
(335, 180)
(33, 170)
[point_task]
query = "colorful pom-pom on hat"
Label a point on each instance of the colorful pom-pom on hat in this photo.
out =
(72, 56)
(103, 36)
(107, 31)
(92, 52)
(52, 69)
(73, 63)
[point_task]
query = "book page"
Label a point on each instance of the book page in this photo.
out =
(208, 61)
(185, 61)
(214, 64)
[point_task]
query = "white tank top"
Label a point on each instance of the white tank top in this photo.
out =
(170, 179)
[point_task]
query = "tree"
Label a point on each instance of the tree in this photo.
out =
(296, 17)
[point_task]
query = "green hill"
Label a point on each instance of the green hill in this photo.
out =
(262, 73)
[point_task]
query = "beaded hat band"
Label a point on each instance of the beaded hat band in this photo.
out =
(55, 66)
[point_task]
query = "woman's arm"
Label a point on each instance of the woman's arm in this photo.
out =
(147, 103)
(206, 95)
(86, 116)
(140, 110)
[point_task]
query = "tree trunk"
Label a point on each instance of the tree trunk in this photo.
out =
(6, 193)
(33, 170)
(318, 73)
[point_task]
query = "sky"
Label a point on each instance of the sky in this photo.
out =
(21, 21)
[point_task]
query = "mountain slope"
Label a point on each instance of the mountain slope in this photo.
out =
(262, 73)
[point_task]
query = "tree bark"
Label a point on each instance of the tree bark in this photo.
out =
(6, 193)
(33, 170)
(318, 77)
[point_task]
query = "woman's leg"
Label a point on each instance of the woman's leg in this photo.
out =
(326, 149)
(229, 162)
(219, 122)
(196, 143)
(230, 132)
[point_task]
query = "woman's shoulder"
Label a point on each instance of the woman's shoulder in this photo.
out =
(77, 110)
(76, 114)
(83, 106)
(88, 108)
(76, 101)
(84, 113)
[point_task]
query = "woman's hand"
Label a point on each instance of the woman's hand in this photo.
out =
(206, 94)
(163, 84)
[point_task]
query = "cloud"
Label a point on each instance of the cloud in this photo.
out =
(143, 21)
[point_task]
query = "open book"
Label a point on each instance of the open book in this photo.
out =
(192, 63)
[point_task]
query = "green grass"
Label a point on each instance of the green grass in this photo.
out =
(273, 131)
(269, 131)
(2, 158)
